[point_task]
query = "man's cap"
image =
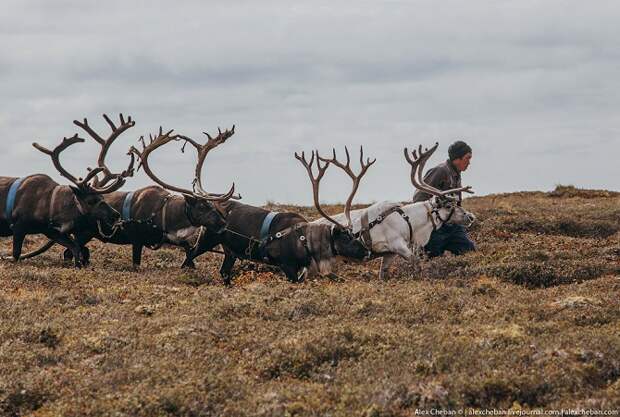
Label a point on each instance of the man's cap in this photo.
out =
(458, 150)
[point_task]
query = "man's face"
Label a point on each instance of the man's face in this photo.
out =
(463, 162)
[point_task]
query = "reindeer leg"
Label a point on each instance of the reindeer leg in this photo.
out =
(191, 254)
(85, 252)
(291, 272)
(189, 259)
(136, 254)
(18, 242)
(416, 260)
(386, 261)
(69, 243)
(75, 249)
(81, 239)
(67, 255)
(226, 268)
(401, 250)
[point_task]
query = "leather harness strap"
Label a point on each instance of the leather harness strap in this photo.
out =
(55, 194)
(126, 211)
(163, 215)
(10, 201)
(404, 216)
(265, 238)
(366, 225)
(282, 233)
(79, 204)
(429, 213)
(430, 210)
(53, 203)
(264, 229)
(365, 231)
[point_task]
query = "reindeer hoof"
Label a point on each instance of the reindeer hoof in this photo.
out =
(67, 255)
(226, 278)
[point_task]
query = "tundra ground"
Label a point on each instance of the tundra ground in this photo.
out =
(530, 321)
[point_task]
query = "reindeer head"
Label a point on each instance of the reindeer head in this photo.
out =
(89, 190)
(204, 213)
(97, 208)
(348, 245)
(201, 209)
(449, 211)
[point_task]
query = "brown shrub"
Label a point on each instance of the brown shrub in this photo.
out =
(529, 320)
(300, 359)
(570, 191)
(21, 401)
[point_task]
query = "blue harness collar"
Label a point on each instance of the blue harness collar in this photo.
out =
(10, 201)
(126, 212)
(264, 230)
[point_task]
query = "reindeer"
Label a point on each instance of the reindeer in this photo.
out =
(152, 216)
(389, 229)
(37, 204)
(286, 239)
(315, 181)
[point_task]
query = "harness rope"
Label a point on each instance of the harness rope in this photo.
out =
(163, 209)
(265, 238)
(435, 210)
(364, 232)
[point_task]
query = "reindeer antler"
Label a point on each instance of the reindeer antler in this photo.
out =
(157, 141)
(417, 160)
(355, 178)
(315, 180)
(118, 180)
(203, 150)
(55, 155)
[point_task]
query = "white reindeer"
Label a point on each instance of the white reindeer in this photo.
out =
(391, 229)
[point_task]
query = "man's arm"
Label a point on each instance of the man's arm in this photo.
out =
(435, 177)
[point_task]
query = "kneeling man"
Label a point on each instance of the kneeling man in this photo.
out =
(445, 176)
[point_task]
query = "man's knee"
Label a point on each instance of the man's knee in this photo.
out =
(464, 246)
(461, 243)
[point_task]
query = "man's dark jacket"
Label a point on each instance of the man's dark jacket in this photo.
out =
(444, 176)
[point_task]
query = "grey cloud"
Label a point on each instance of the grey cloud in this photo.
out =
(528, 84)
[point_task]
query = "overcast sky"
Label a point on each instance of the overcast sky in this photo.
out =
(532, 86)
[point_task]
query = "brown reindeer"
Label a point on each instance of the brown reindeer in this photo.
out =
(37, 204)
(152, 216)
(165, 218)
(286, 240)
